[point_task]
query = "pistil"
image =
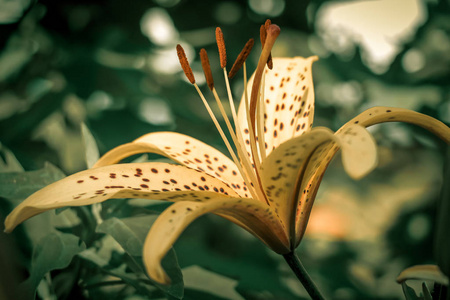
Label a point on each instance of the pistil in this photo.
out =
(272, 33)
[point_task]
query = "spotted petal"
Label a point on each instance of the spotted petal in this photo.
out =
(322, 157)
(251, 214)
(282, 168)
(184, 150)
(381, 114)
(159, 181)
(288, 101)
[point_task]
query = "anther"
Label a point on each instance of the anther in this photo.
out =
(241, 58)
(185, 64)
(262, 35)
(206, 68)
(221, 46)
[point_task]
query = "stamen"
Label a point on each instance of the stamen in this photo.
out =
(207, 68)
(253, 147)
(248, 174)
(225, 140)
(221, 46)
(241, 58)
(269, 60)
(185, 64)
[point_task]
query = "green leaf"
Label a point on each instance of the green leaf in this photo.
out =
(191, 294)
(218, 285)
(130, 233)
(426, 292)
(9, 163)
(54, 251)
(409, 292)
(132, 279)
(442, 241)
(91, 150)
(248, 260)
(19, 185)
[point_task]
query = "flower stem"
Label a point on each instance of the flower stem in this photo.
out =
(296, 266)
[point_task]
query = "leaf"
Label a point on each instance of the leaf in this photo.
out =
(248, 260)
(130, 233)
(218, 285)
(192, 294)
(129, 278)
(9, 163)
(409, 292)
(54, 251)
(426, 292)
(91, 150)
(442, 241)
(19, 185)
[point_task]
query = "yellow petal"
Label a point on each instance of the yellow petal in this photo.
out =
(186, 151)
(322, 157)
(288, 100)
(251, 214)
(359, 150)
(381, 114)
(359, 157)
(424, 272)
(282, 170)
(159, 181)
(312, 177)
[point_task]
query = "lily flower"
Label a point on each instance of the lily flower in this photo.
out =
(268, 187)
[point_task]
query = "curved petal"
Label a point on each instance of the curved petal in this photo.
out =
(158, 181)
(253, 215)
(283, 172)
(424, 272)
(282, 168)
(186, 151)
(309, 186)
(322, 157)
(382, 114)
(288, 101)
(359, 150)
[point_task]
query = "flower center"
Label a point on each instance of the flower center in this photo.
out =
(249, 165)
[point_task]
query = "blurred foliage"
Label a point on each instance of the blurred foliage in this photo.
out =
(111, 64)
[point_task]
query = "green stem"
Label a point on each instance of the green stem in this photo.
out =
(296, 266)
